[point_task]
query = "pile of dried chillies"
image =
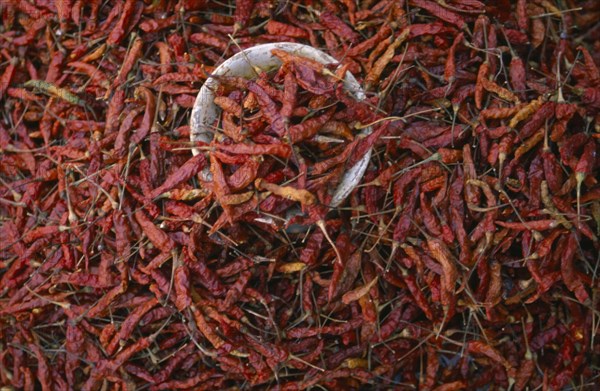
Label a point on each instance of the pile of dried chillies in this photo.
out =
(467, 257)
(283, 141)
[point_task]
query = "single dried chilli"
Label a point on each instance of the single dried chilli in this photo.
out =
(7, 75)
(450, 68)
(517, 75)
(440, 253)
(118, 32)
(483, 73)
(157, 236)
(591, 68)
(184, 173)
(134, 53)
(278, 28)
(134, 317)
(417, 293)
(377, 69)
(280, 150)
(526, 111)
(583, 169)
(500, 91)
(303, 196)
(441, 12)
(544, 113)
(242, 13)
(308, 128)
(341, 29)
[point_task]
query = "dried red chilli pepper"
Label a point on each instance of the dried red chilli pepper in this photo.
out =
(358, 293)
(147, 123)
(440, 253)
(429, 219)
(280, 150)
(269, 108)
(394, 321)
(367, 44)
(308, 128)
(545, 336)
(209, 40)
(134, 53)
(278, 28)
(538, 225)
(228, 105)
(405, 222)
(30, 35)
(206, 329)
(502, 92)
(244, 175)
(338, 329)
(341, 29)
(97, 77)
(526, 111)
(344, 275)
(184, 173)
(517, 75)
(157, 236)
(569, 273)
(382, 61)
(537, 120)
(525, 371)
(483, 73)
(236, 290)
(242, 13)
(417, 293)
(590, 66)
(312, 80)
(128, 17)
(43, 373)
(583, 169)
(7, 75)
(450, 68)
(441, 13)
(290, 91)
(209, 278)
